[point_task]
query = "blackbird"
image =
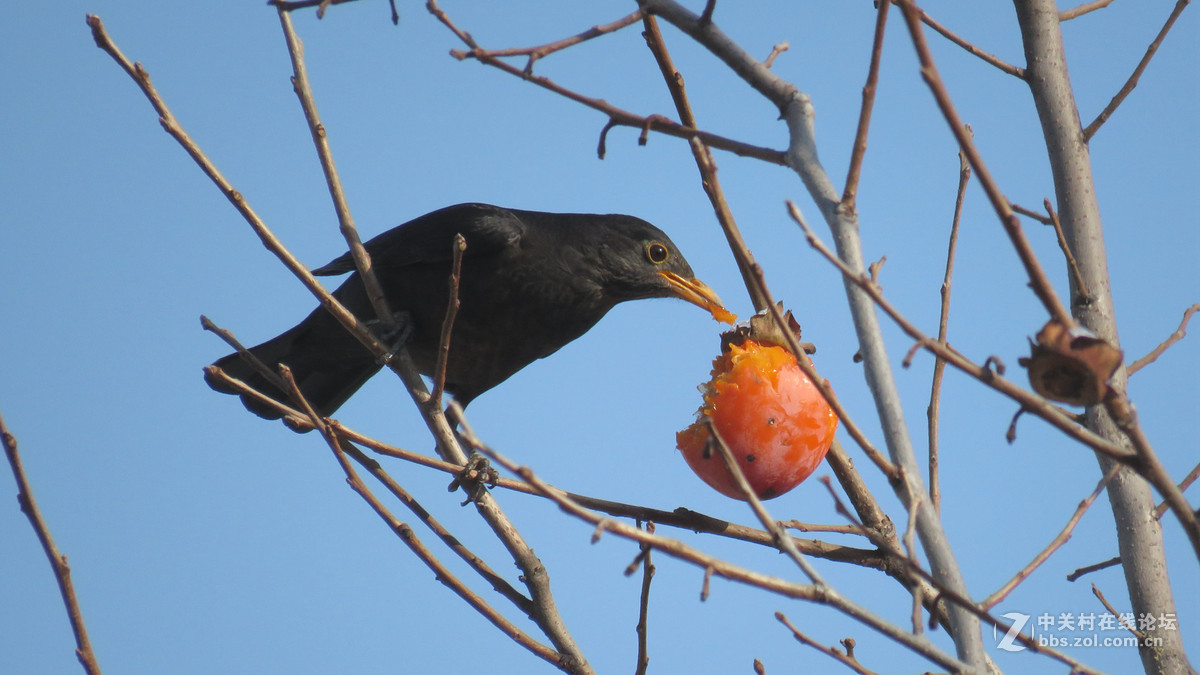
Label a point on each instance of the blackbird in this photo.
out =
(530, 283)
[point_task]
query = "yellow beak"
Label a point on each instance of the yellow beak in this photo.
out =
(698, 293)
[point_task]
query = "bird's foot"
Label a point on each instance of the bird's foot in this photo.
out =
(475, 477)
(394, 334)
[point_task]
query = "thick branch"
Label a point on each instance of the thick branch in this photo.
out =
(813, 593)
(1139, 535)
(797, 111)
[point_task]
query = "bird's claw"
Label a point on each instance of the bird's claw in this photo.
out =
(475, 477)
(395, 334)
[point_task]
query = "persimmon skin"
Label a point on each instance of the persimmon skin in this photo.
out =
(771, 416)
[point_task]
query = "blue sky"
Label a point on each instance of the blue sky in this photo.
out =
(204, 539)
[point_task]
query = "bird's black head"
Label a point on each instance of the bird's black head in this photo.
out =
(634, 259)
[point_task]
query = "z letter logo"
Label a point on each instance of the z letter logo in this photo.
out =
(1008, 642)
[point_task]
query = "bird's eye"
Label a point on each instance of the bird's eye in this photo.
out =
(657, 253)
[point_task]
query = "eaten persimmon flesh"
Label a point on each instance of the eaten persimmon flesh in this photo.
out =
(769, 413)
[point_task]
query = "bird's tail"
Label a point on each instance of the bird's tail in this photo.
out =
(327, 362)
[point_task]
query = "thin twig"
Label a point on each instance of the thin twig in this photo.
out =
(684, 519)
(1183, 485)
(501, 585)
(782, 539)
(1148, 466)
(534, 574)
(1038, 280)
(1178, 335)
(704, 162)
(885, 466)
(58, 561)
(1056, 543)
(1028, 400)
(939, 366)
(362, 260)
(677, 549)
(846, 660)
(1093, 568)
(248, 356)
(910, 549)
(535, 53)
(1120, 619)
(1068, 14)
(643, 655)
(775, 52)
(322, 5)
(142, 78)
(452, 305)
(1091, 129)
(410, 539)
(989, 58)
(1030, 213)
(1072, 265)
(859, 151)
(813, 527)
(616, 116)
(838, 506)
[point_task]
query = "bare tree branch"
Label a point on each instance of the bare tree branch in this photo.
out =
(1093, 568)
(439, 371)
(1002, 592)
(1178, 335)
(939, 366)
(1139, 536)
(850, 192)
(705, 163)
(1086, 7)
(797, 111)
(643, 624)
(770, 524)
(1029, 401)
(845, 659)
(1037, 277)
(972, 49)
(410, 539)
(1072, 266)
(535, 53)
(535, 575)
(58, 561)
(1132, 82)
(362, 260)
(616, 116)
(820, 594)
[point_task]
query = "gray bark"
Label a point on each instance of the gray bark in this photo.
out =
(1139, 535)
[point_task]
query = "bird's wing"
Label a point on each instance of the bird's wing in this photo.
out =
(430, 238)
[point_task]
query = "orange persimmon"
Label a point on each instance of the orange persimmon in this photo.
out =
(768, 412)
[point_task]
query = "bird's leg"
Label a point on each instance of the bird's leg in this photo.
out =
(475, 477)
(395, 333)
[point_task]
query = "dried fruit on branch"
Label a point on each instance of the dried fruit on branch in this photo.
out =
(1071, 365)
